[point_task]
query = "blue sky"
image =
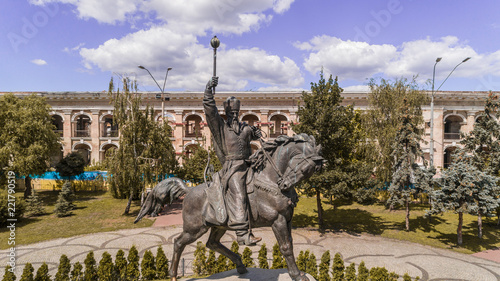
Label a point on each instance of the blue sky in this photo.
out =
(78, 45)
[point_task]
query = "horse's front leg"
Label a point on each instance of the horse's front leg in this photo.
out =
(282, 231)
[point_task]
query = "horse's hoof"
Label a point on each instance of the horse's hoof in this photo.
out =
(241, 269)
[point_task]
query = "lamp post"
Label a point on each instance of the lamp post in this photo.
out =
(161, 89)
(432, 105)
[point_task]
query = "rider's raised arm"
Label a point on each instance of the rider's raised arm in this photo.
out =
(211, 112)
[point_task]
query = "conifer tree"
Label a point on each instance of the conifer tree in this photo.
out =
(324, 267)
(133, 264)
(28, 273)
(71, 165)
(34, 205)
(350, 272)
(120, 265)
(406, 277)
(379, 274)
(148, 267)
(42, 274)
(263, 257)
(278, 261)
(161, 264)
(363, 272)
(90, 273)
(106, 270)
(408, 178)
(64, 204)
(211, 263)
(200, 258)
(77, 272)
(338, 267)
(312, 265)
(301, 261)
(235, 248)
(462, 187)
(393, 276)
(63, 269)
(222, 263)
(8, 274)
(247, 258)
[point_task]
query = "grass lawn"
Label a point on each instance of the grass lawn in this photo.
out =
(440, 231)
(95, 212)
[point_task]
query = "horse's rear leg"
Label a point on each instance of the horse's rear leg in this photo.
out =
(179, 244)
(214, 243)
(283, 232)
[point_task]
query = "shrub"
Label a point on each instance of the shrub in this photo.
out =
(90, 273)
(8, 275)
(363, 272)
(247, 258)
(28, 273)
(200, 258)
(64, 204)
(379, 274)
(42, 274)
(4, 207)
(222, 263)
(76, 273)
(263, 257)
(63, 269)
(148, 267)
(338, 267)
(301, 261)
(120, 265)
(350, 272)
(324, 267)
(311, 265)
(161, 264)
(106, 271)
(234, 248)
(34, 206)
(278, 261)
(133, 264)
(211, 263)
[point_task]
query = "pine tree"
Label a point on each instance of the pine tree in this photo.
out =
(200, 258)
(161, 264)
(148, 267)
(312, 266)
(222, 263)
(350, 272)
(211, 263)
(463, 188)
(106, 270)
(379, 274)
(393, 276)
(133, 264)
(247, 258)
(8, 274)
(34, 205)
(263, 257)
(71, 165)
(63, 269)
(42, 274)
(64, 204)
(363, 272)
(301, 261)
(76, 273)
(90, 273)
(278, 261)
(235, 248)
(324, 267)
(406, 277)
(121, 265)
(338, 268)
(28, 273)
(408, 178)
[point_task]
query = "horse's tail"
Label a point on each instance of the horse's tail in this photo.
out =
(171, 189)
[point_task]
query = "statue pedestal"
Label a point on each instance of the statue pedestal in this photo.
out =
(254, 274)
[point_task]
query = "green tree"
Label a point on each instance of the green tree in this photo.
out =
(278, 261)
(482, 143)
(145, 152)
(133, 264)
(161, 264)
(222, 263)
(27, 137)
(247, 258)
(106, 270)
(211, 263)
(462, 187)
(8, 274)
(386, 101)
(235, 248)
(28, 273)
(200, 258)
(34, 205)
(63, 269)
(193, 167)
(301, 261)
(42, 274)
(148, 267)
(263, 257)
(337, 129)
(76, 273)
(64, 204)
(121, 265)
(379, 274)
(350, 272)
(324, 267)
(408, 178)
(338, 267)
(71, 165)
(363, 272)
(312, 265)
(90, 272)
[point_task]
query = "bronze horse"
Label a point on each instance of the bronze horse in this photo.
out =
(271, 195)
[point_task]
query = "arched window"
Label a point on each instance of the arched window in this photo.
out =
(82, 126)
(58, 123)
(251, 119)
(84, 150)
(448, 152)
(109, 128)
(452, 125)
(105, 150)
(278, 126)
(193, 126)
(190, 150)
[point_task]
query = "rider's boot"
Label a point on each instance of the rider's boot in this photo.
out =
(247, 238)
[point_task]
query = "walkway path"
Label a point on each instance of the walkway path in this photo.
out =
(427, 262)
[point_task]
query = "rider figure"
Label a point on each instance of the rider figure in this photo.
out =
(232, 146)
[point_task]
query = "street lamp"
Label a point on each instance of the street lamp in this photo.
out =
(161, 89)
(432, 105)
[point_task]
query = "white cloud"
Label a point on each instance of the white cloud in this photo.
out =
(356, 88)
(39, 62)
(76, 48)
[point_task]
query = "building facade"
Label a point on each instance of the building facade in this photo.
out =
(84, 120)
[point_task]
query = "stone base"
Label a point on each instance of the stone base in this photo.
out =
(254, 274)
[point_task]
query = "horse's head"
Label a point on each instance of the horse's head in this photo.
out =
(304, 160)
